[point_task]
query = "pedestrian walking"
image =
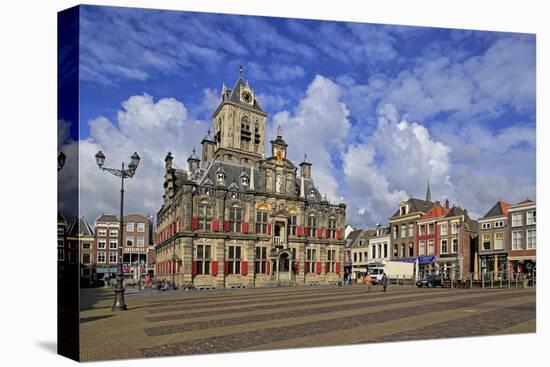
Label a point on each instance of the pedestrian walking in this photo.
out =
(368, 282)
(384, 281)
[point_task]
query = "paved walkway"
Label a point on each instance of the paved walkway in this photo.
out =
(182, 323)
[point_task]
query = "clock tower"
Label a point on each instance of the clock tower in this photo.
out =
(239, 124)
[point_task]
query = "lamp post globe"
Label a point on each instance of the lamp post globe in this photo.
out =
(60, 160)
(135, 160)
(100, 158)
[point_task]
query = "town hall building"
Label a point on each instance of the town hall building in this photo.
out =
(236, 218)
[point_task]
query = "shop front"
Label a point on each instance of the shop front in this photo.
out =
(134, 263)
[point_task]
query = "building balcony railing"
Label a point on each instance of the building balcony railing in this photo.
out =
(279, 241)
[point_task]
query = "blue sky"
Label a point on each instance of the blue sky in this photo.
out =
(379, 109)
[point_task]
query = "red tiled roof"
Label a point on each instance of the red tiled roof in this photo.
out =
(526, 201)
(504, 207)
(435, 212)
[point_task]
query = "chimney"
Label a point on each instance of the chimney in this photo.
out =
(305, 168)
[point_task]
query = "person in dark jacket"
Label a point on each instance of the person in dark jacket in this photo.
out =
(384, 281)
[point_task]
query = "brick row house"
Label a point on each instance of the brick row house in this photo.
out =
(492, 251)
(507, 240)
(106, 237)
(523, 236)
(236, 218)
(428, 245)
(135, 245)
(403, 223)
(458, 234)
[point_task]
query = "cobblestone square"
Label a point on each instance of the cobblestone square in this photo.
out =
(197, 322)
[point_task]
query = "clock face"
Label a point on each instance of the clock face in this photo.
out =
(246, 97)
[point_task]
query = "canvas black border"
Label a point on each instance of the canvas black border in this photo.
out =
(68, 275)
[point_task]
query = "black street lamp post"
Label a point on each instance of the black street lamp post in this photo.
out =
(458, 273)
(60, 161)
(119, 304)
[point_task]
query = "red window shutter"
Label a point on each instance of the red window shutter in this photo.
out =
(338, 267)
(297, 267)
(214, 268)
(306, 267)
(338, 235)
(268, 267)
(194, 224)
(194, 268)
(174, 227)
(245, 227)
(268, 229)
(244, 267)
(327, 233)
(299, 231)
(319, 233)
(215, 225)
(318, 267)
(306, 232)
(225, 267)
(226, 226)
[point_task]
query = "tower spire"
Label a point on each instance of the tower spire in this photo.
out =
(428, 194)
(241, 71)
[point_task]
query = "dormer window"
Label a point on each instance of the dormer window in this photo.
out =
(404, 210)
(244, 182)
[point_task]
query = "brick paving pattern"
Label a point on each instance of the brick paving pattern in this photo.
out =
(183, 323)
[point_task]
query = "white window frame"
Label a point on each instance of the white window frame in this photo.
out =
(113, 232)
(501, 241)
(115, 255)
(140, 241)
(130, 227)
(517, 239)
(431, 228)
(517, 219)
(454, 228)
(421, 248)
(111, 242)
(441, 246)
(486, 225)
(87, 243)
(141, 227)
(61, 251)
(403, 231)
(443, 230)
(411, 229)
(499, 224)
(531, 217)
(486, 238)
(102, 232)
(531, 239)
(453, 242)
(99, 255)
(431, 247)
(60, 242)
(101, 244)
(131, 239)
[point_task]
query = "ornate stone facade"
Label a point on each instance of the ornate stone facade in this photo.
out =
(239, 219)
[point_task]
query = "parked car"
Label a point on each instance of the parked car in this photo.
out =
(429, 281)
